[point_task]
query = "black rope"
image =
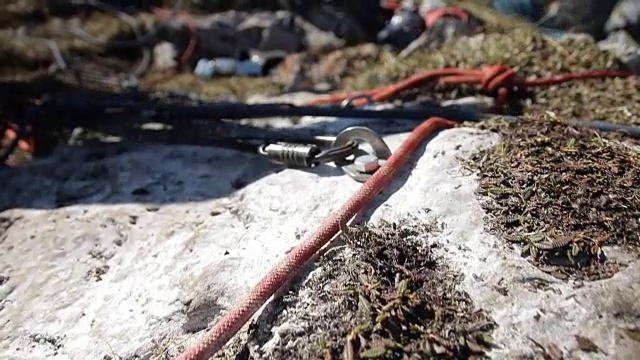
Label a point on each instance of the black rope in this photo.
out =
(200, 123)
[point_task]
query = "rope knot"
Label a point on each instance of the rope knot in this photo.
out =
(497, 77)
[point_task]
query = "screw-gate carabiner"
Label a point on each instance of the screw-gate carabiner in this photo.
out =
(307, 155)
(292, 155)
(344, 151)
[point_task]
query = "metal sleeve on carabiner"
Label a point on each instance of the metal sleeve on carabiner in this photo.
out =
(293, 155)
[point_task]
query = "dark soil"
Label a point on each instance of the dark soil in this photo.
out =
(385, 295)
(562, 194)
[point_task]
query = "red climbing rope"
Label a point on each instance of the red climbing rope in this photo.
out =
(231, 323)
(496, 80)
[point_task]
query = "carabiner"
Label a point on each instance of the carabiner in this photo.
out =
(348, 102)
(306, 155)
(334, 154)
(343, 150)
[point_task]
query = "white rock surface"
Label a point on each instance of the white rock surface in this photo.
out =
(115, 274)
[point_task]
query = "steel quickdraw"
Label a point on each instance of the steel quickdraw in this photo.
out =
(345, 151)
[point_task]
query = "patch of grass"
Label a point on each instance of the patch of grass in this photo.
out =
(239, 87)
(530, 55)
(387, 295)
(562, 193)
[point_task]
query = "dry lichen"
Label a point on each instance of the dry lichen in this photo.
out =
(387, 296)
(563, 194)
